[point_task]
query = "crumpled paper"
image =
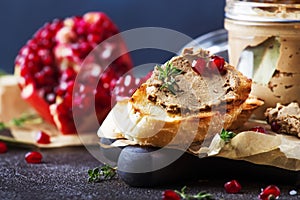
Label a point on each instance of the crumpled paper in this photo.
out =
(282, 151)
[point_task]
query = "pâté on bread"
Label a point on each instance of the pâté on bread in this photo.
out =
(191, 97)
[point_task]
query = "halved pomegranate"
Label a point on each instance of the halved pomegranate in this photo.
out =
(50, 62)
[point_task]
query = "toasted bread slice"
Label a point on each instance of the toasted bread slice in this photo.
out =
(201, 106)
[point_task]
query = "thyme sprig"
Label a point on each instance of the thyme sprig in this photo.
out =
(100, 174)
(20, 121)
(227, 135)
(200, 196)
(167, 76)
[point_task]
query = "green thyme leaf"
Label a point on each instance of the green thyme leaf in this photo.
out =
(2, 126)
(23, 119)
(227, 135)
(100, 174)
(167, 76)
(200, 196)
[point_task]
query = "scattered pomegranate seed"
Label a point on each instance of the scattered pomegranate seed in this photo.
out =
(42, 138)
(275, 126)
(33, 157)
(270, 192)
(232, 187)
(170, 195)
(3, 147)
(258, 129)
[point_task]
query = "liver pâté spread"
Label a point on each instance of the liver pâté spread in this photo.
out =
(194, 91)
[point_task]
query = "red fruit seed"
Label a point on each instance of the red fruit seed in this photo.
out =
(270, 192)
(199, 66)
(33, 157)
(170, 195)
(42, 138)
(204, 66)
(232, 187)
(218, 62)
(3, 147)
(259, 129)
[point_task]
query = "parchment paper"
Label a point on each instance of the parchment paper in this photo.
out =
(282, 151)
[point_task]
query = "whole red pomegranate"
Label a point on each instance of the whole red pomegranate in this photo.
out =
(50, 63)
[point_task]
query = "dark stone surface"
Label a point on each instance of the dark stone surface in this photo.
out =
(63, 175)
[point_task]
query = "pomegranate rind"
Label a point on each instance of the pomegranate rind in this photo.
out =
(38, 103)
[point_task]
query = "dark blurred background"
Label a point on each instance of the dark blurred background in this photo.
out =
(19, 19)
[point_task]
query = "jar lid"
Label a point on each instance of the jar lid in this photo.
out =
(263, 10)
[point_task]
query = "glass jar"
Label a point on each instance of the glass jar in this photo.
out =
(264, 44)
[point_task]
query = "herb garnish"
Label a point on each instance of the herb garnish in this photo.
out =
(199, 196)
(167, 76)
(227, 135)
(100, 174)
(25, 118)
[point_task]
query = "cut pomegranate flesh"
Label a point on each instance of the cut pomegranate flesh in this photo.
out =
(33, 157)
(51, 61)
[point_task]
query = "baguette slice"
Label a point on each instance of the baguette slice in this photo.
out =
(201, 107)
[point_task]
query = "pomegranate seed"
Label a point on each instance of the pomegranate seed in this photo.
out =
(45, 33)
(170, 195)
(33, 57)
(50, 98)
(46, 56)
(70, 86)
(232, 187)
(270, 192)
(55, 25)
(42, 138)
(25, 51)
(275, 126)
(94, 38)
(68, 100)
(32, 44)
(218, 62)
(3, 147)
(68, 74)
(199, 65)
(202, 66)
(258, 129)
(33, 157)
